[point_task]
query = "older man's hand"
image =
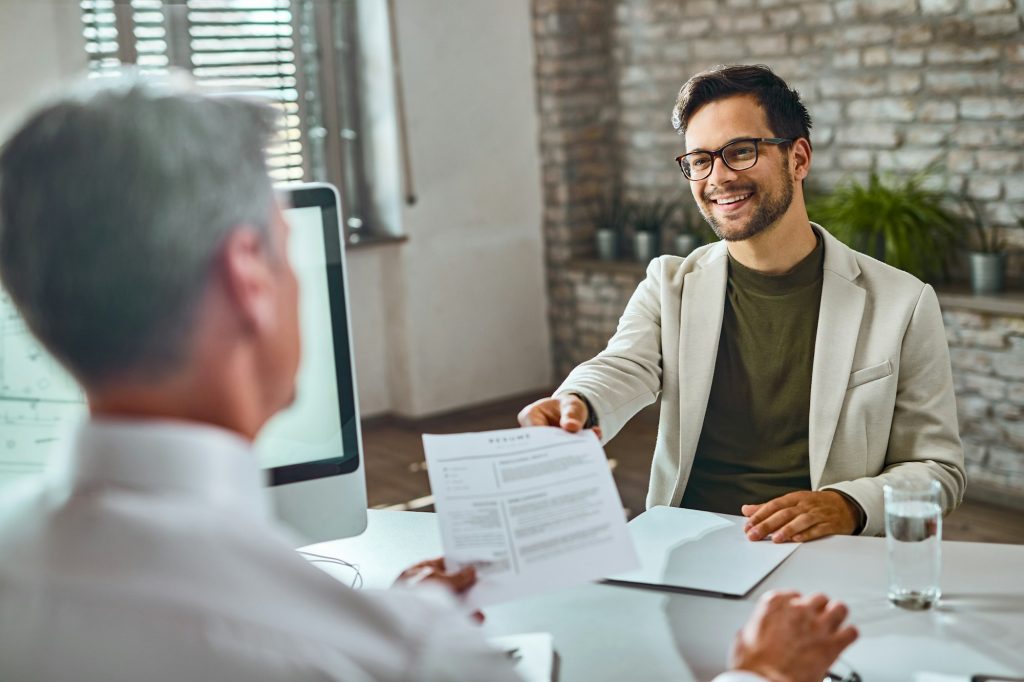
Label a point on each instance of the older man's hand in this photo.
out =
(790, 638)
(801, 516)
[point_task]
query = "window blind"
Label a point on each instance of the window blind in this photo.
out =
(240, 46)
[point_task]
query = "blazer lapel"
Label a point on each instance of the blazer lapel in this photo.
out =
(839, 318)
(700, 326)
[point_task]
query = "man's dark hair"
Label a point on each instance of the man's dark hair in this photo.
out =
(787, 116)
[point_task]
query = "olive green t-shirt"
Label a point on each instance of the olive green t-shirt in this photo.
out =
(753, 445)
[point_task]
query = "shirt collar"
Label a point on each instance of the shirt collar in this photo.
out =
(212, 465)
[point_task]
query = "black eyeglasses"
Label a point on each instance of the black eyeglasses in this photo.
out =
(738, 155)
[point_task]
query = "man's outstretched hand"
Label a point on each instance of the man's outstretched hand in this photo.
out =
(567, 412)
(790, 638)
(801, 516)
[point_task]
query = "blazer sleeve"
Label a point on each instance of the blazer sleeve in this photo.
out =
(626, 376)
(924, 441)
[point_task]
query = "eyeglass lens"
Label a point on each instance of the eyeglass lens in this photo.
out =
(738, 155)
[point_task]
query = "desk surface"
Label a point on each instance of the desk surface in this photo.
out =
(606, 632)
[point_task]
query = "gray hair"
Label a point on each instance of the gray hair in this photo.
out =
(114, 202)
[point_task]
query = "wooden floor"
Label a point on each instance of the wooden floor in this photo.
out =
(396, 477)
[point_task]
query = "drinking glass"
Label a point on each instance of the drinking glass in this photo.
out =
(913, 534)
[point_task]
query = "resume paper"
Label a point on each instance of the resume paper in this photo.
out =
(532, 509)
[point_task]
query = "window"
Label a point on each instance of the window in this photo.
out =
(303, 55)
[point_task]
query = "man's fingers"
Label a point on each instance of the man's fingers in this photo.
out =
(846, 637)
(461, 581)
(768, 508)
(771, 524)
(574, 413)
(820, 530)
(800, 523)
(834, 615)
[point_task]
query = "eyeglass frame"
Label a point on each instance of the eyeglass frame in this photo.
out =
(717, 153)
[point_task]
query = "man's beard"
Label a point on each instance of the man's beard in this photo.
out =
(768, 212)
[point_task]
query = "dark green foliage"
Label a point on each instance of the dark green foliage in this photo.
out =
(653, 215)
(895, 220)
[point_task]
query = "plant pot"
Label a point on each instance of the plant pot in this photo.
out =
(988, 271)
(607, 244)
(685, 244)
(645, 246)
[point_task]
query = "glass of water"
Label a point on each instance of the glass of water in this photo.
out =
(913, 534)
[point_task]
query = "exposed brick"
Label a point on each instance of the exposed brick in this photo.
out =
(992, 108)
(989, 6)
(939, 6)
(882, 109)
(984, 188)
(876, 56)
(988, 387)
(937, 110)
(957, 54)
(766, 45)
(857, 86)
(970, 360)
(998, 161)
(1014, 188)
(855, 159)
(818, 13)
(873, 34)
(883, 136)
(992, 26)
(784, 18)
(963, 80)
(924, 135)
(972, 407)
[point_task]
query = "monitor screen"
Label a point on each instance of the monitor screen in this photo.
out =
(316, 435)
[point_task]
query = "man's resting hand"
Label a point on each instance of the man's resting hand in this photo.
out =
(801, 516)
(790, 638)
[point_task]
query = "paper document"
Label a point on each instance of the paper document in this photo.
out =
(694, 550)
(533, 509)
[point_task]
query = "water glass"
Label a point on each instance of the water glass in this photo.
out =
(913, 534)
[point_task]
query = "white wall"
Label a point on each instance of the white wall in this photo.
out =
(41, 44)
(462, 313)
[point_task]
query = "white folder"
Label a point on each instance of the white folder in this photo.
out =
(694, 551)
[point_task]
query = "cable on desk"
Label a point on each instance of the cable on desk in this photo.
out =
(313, 558)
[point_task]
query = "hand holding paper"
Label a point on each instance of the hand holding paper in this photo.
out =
(531, 509)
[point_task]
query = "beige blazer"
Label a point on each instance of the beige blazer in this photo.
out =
(882, 400)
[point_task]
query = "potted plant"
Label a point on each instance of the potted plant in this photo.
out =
(896, 220)
(986, 253)
(689, 236)
(648, 219)
(610, 216)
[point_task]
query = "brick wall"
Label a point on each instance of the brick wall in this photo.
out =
(987, 351)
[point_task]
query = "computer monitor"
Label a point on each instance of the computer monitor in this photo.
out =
(313, 449)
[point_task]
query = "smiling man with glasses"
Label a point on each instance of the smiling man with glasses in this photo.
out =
(795, 375)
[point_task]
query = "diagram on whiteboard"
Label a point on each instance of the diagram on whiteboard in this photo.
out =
(39, 401)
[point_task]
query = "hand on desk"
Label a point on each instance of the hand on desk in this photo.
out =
(434, 570)
(567, 412)
(801, 516)
(790, 638)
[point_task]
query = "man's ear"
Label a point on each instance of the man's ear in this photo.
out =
(247, 277)
(801, 156)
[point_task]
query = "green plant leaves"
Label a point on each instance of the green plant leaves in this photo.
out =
(893, 219)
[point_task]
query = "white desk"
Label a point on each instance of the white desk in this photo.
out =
(605, 632)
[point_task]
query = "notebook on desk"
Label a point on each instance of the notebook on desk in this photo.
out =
(693, 551)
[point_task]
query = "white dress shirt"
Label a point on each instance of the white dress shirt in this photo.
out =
(150, 555)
